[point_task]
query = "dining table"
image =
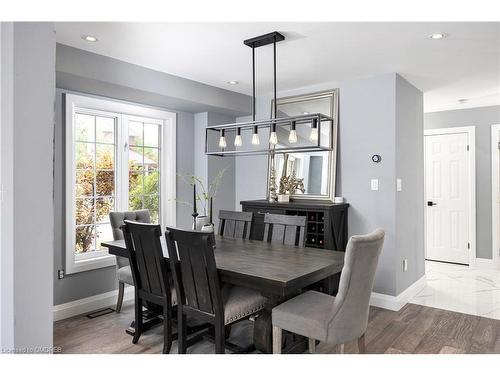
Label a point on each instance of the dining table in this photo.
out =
(279, 272)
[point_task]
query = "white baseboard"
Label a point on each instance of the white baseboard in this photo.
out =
(485, 264)
(395, 303)
(85, 305)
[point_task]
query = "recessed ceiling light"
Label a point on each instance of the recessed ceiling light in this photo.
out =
(437, 36)
(89, 38)
(233, 82)
(305, 113)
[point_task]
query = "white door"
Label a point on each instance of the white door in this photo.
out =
(447, 197)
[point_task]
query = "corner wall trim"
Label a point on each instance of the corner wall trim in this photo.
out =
(85, 305)
(395, 303)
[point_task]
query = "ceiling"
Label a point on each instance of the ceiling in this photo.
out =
(464, 65)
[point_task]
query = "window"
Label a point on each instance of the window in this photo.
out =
(118, 157)
(143, 163)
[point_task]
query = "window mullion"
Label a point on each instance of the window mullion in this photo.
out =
(122, 151)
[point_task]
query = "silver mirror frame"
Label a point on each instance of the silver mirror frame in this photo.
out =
(334, 134)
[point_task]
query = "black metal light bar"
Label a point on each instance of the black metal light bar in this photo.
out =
(300, 119)
(266, 151)
(264, 40)
(315, 118)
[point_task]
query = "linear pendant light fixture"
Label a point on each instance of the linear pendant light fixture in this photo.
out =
(315, 120)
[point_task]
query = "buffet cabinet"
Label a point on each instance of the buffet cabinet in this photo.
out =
(326, 222)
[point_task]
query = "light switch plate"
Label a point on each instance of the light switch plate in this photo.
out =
(399, 184)
(405, 265)
(374, 184)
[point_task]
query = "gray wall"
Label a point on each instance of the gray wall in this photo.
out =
(206, 167)
(482, 118)
(84, 71)
(92, 74)
(410, 169)
(367, 125)
(28, 87)
(226, 193)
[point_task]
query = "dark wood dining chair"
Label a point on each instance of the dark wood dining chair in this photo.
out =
(285, 229)
(235, 224)
(151, 275)
(201, 294)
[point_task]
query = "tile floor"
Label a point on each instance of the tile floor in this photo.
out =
(461, 289)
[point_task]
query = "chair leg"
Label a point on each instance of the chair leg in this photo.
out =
(119, 302)
(340, 349)
(361, 344)
(220, 337)
(181, 331)
(227, 332)
(276, 340)
(312, 345)
(138, 320)
(167, 329)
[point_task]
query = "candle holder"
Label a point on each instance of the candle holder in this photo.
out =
(194, 215)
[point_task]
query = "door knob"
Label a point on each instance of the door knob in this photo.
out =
(431, 203)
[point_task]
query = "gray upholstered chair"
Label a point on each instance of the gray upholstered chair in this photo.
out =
(123, 270)
(336, 320)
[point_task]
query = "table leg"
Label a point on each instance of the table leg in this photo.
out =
(263, 331)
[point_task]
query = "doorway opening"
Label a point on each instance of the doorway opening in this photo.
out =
(450, 218)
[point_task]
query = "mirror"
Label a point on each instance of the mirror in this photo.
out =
(316, 168)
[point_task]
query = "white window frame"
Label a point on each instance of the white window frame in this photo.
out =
(121, 111)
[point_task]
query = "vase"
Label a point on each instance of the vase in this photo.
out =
(283, 198)
(208, 228)
(201, 221)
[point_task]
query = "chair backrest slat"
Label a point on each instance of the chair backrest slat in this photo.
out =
(149, 268)
(192, 260)
(235, 224)
(285, 229)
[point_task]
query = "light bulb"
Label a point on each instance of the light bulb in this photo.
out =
(314, 135)
(238, 142)
(222, 140)
(273, 139)
(255, 137)
(292, 138)
(314, 130)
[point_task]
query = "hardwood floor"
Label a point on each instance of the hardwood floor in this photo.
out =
(414, 329)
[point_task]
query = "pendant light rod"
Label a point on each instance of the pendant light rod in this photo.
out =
(259, 41)
(253, 83)
(275, 102)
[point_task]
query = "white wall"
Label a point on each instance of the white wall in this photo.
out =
(28, 85)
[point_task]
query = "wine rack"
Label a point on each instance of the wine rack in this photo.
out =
(315, 227)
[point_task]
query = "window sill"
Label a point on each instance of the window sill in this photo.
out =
(91, 264)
